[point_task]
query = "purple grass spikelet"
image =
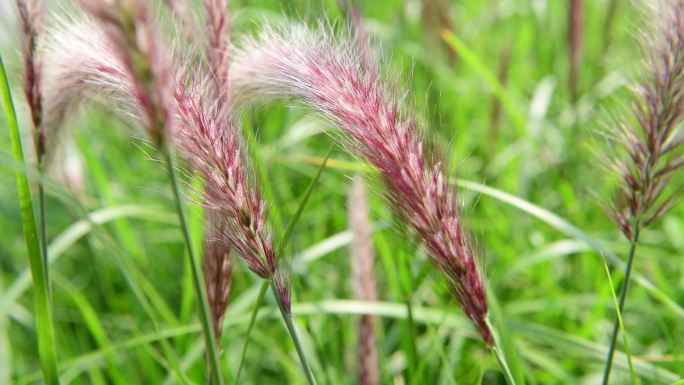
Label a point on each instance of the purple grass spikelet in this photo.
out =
(209, 140)
(364, 282)
(651, 134)
(330, 76)
(218, 268)
(132, 34)
(31, 15)
(218, 41)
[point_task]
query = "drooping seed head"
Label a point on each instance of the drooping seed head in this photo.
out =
(330, 76)
(210, 141)
(651, 134)
(218, 268)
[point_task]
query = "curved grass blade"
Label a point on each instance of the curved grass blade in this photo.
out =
(566, 344)
(568, 228)
(71, 235)
(47, 348)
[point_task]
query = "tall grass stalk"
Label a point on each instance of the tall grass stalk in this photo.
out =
(203, 303)
(124, 53)
(501, 359)
(287, 317)
(31, 23)
(47, 348)
(264, 286)
(651, 139)
(621, 323)
(364, 282)
(621, 304)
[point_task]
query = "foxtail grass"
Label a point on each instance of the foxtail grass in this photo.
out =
(129, 60)
(332, 77)
(651, 138)
(336, 78)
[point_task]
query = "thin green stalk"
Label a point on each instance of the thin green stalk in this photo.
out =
(500, 356)
(47, 348)
(252, 321)
(295, 338)
(210, 338)
(281, 247)
(41, 218)
(621, 305)
(622, 324)
(502, 363)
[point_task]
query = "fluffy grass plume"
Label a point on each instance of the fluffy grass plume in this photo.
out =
(31, 15)
(651, 137)
(651, 132)
(132, 35)
(218, 268)
(209, 139)
(331, 76)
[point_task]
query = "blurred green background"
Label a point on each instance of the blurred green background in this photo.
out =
(500, 108)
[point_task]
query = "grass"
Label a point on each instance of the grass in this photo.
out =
(525, 192)
(47, 348)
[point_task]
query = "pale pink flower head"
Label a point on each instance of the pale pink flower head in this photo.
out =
(651, 134)
(332, 76)
(209, 139)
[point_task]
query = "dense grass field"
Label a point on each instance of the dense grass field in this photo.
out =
(490, 81)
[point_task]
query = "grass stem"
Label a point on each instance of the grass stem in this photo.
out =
(502, 363)
(47, 348)
(621, 304)
(281, 249)
(210, 338)
(42, 223)
(252, 321)
(501, 343)
(295, 338)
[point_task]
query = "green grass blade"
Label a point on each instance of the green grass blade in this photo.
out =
(509, 358)
(632, 374)
(252, 321)
(71, 235)
(93, 323)
(197, 278)
(568, 228)
(474, 62)
(566, 345)
(281, 247)
(47, 349)
(302, 202)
